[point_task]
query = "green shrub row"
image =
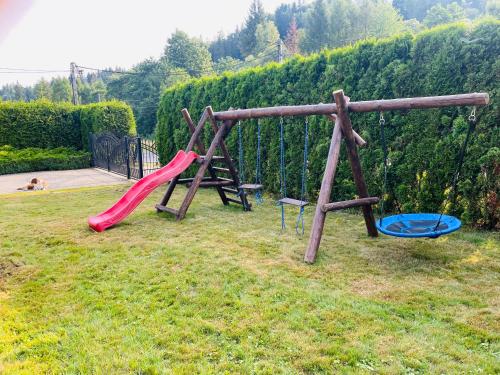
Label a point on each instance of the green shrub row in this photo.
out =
(44, 124)
(37, 159)
(114, 117)
(423, 144)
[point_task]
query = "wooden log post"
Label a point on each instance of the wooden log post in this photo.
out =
(325, 192)
(352, 153)
(472, 99)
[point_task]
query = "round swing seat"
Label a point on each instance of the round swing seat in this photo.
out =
(418, 225)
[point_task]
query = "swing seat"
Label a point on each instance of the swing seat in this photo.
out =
(251, 187)
(293, 202)
(418, 225)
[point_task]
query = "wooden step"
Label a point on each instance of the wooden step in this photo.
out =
(251, 187)
(182, 181)
(214, 158)
(213, 183)
(234, 201)
(222, 170)
(293, 202)
(349, 204)
(161, 208)
(229, 190)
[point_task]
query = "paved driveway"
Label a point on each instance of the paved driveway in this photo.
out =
(61, 179)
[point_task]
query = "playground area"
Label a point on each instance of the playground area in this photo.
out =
(156, 295)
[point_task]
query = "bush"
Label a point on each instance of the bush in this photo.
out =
(422, 144)
(43, 124)
(37, 159)
(40, 124)
(114, 117)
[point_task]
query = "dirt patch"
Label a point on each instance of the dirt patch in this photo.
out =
(8, 267)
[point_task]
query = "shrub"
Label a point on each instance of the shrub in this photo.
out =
(40, 124)
(43, 124)
(114, 117)
(422, 144)
(37, 159)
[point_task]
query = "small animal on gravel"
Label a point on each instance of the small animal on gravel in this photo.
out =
(35, 184)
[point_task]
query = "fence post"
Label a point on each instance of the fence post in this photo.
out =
(91, 147)
(139, 156)
(127, 156)
(108, 156)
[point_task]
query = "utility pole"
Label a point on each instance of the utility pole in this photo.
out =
(74, 86)
(280, 50)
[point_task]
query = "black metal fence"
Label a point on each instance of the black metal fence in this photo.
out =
(132, 157)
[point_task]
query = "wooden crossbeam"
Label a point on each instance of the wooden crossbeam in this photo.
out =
(336, 206)
(172, 211)
(472, 99)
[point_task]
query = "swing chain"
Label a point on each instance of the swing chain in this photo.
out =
(384, 148)
(299, 225)
(282, 172)
(258, 172)
(452, 195)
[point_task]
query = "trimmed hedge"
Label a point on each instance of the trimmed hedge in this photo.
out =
(44, 124)
(37, 159)
(40, 124)
(423, 144)
(115, 117)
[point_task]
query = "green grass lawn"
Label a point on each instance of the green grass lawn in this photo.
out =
(225, 291)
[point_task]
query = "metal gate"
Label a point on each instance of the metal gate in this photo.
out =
(132, 157)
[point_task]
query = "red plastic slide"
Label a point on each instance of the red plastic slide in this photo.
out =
(137, 193)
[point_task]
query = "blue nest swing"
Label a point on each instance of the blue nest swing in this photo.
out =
(418, 225)
(422, 225)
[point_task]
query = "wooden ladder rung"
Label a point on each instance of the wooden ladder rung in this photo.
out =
(335, 206)
(229, 190)
(251, 187)
(234, 201)
(172, 211)
(222, 170)
(225, 179)
(293, 202)
(213, 183)
(215, 158)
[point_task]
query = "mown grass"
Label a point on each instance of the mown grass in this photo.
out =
(225, 291)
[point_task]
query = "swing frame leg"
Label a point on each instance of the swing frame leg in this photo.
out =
(342, 130)
(352, 154)
(326, 190)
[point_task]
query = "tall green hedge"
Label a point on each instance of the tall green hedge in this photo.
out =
(115, 117)
(48, 125)
(41, 124)
(423, 144)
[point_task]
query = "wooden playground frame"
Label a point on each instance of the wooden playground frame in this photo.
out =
(337, 112)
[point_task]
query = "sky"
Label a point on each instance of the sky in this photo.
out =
(49, 34)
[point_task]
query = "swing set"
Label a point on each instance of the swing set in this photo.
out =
(403, 225)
